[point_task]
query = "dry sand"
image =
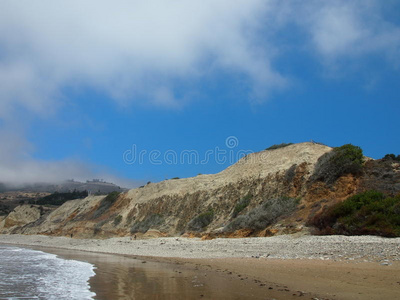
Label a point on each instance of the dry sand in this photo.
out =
(282, 267)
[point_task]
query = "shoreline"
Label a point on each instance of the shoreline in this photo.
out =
(198, 272)
(357, 273)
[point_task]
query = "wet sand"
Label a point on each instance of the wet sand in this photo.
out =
(256, 268)
(314, 278)
(131, 277)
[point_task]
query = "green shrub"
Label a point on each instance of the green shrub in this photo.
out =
(59, 198)
(392, 157)
(347, 159)
(368, 213)
(97, 228)
(105, 204)
(150, 221)
(201, 221)
(277, 146)
(242, 204)
(290, 173)
(263, 215)
(318, 143)
(117, 220)
(112, 197)
(4, 209)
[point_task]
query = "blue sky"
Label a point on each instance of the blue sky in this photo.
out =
(80, 87)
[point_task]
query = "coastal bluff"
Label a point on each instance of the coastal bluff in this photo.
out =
(283, 182)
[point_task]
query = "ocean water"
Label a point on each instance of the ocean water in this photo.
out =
(31, 274)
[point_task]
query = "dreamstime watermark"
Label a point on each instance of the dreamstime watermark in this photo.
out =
(228, 154)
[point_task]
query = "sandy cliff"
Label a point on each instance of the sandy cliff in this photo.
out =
(168, 207)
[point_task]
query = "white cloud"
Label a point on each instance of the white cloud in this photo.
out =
(18, 167)
(138, 50)
(128, 49)
(350, 29)
(336, 30)
(131, 50)
(15, 160)
(22, 88)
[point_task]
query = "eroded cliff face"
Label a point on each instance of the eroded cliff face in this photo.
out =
(166, 208)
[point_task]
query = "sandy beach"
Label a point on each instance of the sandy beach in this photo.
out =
(281, 267)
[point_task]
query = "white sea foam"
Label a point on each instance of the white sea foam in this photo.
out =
(31, 274)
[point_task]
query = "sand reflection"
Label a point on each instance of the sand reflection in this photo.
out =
(119, 277)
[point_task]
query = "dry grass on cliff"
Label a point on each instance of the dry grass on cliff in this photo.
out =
(263, 215)
(253, 166)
